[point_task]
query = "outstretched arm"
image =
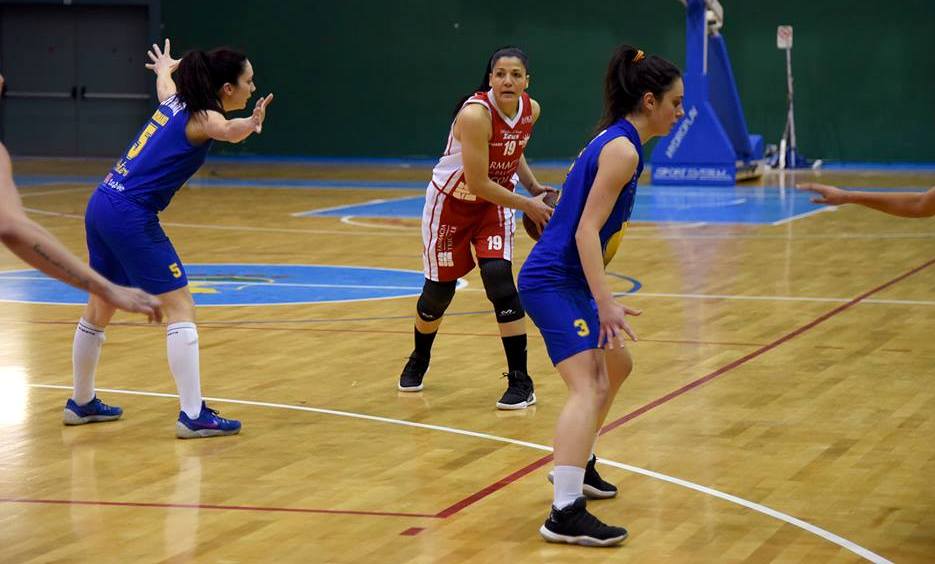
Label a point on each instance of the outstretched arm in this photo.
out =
(213, 125)
(163, 65)
(903, 204)
(30, 242)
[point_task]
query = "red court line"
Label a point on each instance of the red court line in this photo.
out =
(503, 482)
(210, 506)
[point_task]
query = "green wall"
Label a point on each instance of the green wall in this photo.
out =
(379, 79)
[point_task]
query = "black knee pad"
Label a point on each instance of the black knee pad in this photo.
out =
(497, 275)
(435, 298)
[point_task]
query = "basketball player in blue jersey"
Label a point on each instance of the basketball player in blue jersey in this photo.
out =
(564, 290)
(128, 246)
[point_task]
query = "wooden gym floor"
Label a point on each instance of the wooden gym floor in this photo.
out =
(782, 407)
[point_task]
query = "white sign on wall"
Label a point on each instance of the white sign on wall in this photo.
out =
(784, 37)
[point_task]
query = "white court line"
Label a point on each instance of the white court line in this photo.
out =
(245, 284)
(706, 205)
(346, 206)
(349, 220)
(50, 192)
(674, 237)
(769, 298)
(792, 218)
(56, 214)
(818, 531)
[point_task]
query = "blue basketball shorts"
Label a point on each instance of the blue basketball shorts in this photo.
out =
(128, 246)
(566, 317)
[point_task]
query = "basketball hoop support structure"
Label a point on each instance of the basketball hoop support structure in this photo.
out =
(710, 145)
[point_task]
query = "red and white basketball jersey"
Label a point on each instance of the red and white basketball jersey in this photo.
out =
(508, 139)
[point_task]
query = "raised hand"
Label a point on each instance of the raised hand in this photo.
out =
(162, 61)
(259, 112)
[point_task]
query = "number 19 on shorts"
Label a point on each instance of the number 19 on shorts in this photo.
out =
(494, 243)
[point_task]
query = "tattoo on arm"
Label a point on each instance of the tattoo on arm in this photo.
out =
(80, 281)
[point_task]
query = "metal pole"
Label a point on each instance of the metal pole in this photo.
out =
(791, 116)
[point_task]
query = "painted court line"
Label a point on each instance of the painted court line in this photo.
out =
(212, 506)
(317, 211)
(349, 220)
(280, 284)
(500, 484)
(792, 218)
(457, 507)
(768, 298)
(415, 232)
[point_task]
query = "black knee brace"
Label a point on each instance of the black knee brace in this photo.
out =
(497, 275)
(435, 298)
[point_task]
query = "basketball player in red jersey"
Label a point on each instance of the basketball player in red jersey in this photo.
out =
(470, 202)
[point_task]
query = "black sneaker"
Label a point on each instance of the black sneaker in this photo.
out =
(594, 486)
(413, 373)
(574, 525)
(519, 392)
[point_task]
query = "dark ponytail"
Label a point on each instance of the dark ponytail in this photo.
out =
(201, 76)
(507, 51)
(631, 74)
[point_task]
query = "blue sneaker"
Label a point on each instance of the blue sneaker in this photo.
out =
(208, 424)
(94, 411)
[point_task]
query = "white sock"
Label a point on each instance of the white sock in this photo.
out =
(85, 352)
(569, 481)
(182, 348)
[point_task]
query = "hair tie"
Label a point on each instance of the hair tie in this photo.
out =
(640, 55)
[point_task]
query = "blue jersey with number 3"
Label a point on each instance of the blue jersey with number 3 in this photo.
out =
(159, 161)
(554, 261)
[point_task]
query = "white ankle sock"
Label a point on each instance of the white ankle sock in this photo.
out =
(569, 481)
(85, 352)
(182, 348)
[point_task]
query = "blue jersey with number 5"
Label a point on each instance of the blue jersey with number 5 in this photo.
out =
(159, 161)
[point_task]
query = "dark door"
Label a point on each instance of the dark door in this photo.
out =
(76, 84)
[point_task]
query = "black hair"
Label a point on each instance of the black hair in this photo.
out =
(202, 74)
(507, 51)
(631, 74)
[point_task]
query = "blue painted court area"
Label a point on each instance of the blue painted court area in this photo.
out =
(243, 285)
(680, 204)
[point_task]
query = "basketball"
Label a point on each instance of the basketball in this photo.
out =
(551, 200)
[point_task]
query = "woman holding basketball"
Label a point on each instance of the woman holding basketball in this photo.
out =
(470, 203)
(563, 287)
(128, 246)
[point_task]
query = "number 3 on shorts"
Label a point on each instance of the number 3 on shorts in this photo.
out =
(175, 270)
(582, 327)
